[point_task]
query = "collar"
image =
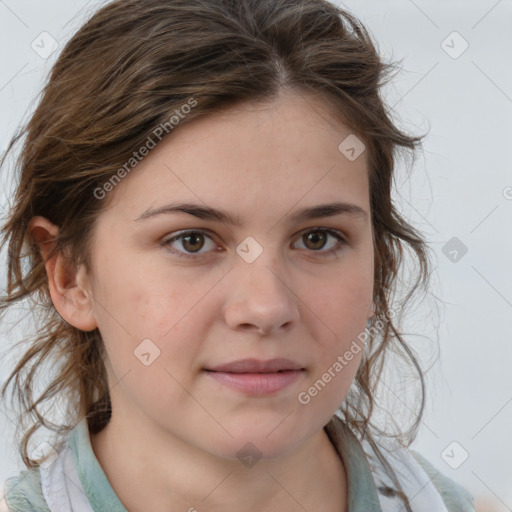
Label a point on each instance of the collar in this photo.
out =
(362, 492)
(95, 484)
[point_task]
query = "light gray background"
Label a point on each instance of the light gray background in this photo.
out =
(461, 186)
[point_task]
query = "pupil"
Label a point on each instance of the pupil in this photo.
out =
(317, 236)
(192, 236)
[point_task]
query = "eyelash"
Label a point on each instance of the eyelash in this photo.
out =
(339, 246)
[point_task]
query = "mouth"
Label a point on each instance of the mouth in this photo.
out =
(257, 366)
(255, 377)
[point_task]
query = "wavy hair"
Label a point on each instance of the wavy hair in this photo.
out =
(123, 73)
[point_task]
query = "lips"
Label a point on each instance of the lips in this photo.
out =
(254, 377)
(257, 366)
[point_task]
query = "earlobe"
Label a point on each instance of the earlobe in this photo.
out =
(70, 297)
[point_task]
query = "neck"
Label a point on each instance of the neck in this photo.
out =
(178, 476)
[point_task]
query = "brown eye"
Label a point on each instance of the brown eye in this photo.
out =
(188, 244)
(191, 243)
(316, 239)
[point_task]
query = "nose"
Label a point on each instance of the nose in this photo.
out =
(260, 298)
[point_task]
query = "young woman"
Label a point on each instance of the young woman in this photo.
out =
(204, 197)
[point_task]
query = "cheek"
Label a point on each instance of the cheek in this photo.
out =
(140, 304)
(340, 342)
(343, 302)
(135, 295)
(339, 312)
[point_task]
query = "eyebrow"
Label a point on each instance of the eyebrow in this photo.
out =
(208, 213)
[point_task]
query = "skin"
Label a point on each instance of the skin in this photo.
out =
(175, 432)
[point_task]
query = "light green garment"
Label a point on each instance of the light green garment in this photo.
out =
(24, 492)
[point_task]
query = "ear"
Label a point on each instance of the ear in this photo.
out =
(68, 286)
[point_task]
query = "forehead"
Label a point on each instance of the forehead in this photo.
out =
(275, 153)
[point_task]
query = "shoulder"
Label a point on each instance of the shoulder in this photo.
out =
(23, 493)
(456, 498)
(419, 479)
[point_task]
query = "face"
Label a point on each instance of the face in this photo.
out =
(178, 294)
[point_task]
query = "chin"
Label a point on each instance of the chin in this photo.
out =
(258, 442)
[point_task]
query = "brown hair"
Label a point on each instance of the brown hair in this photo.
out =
(124, 73)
